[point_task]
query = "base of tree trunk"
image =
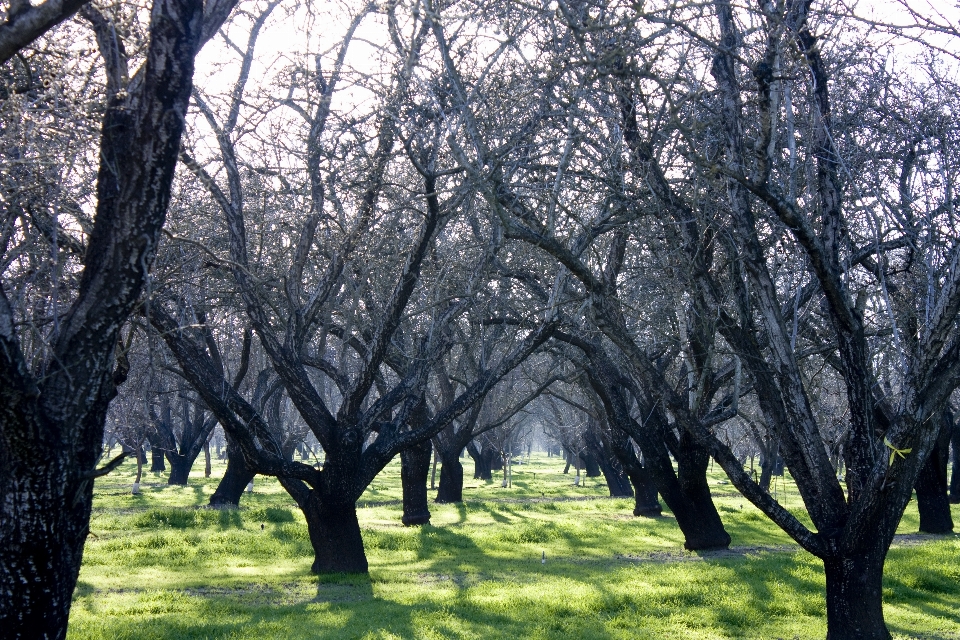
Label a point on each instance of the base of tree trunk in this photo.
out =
(335, 536)
(156, 460)
(451, 481)
(854, 599)
(646, 504)
(933, 503)
(696, 514)
(414, 469)
(179, 469)
(235, 480)
(41, 550)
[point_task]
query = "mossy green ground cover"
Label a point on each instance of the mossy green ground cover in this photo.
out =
(159, 565)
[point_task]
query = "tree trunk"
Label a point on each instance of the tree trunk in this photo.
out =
(696, 513)
(414, 469)
(931, 486)
(481, 463)
(335, 536)
(955, 476)
(766, 473)
(236, 478)
(451, 480)
(590, 464)
(156, 459)
(617, 481)
(136, 482)
(206, 458)
(645, 490)
(44, 528)
(180, 467)
(646, 503)
(854, 597)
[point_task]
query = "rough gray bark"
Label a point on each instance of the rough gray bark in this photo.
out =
(51, 429)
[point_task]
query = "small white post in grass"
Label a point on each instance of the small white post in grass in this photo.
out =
(543, 557)
(250, 487)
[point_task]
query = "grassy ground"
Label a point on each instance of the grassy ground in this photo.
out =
(157, 566)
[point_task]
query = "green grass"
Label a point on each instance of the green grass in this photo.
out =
(158, 565)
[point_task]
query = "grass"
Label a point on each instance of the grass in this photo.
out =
(158, 565)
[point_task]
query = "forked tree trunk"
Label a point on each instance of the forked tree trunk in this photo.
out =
(335, 536)
(414, 469)
(235, 479)
(854, 597)
(451, 480)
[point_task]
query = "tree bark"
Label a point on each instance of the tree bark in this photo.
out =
(235, 479)
(451, 480)
(51, 429)
(955, 475)
(482, 462)
(590, 464)
(156, 459)
(697, 514)
(854, 597)
(646, 503)
(206, 458)
(617, 481)
(931, 486)
(180, 467)
(39, 606)
(335, 536)
(414, 469)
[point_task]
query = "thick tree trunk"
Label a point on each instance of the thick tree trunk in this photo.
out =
(931, 487)
(44, 528)
(590, 464)
(645, 490)
(696, 513)
(156, 459)
(235, 479)
(482, 468)
(414, 469)
(180, 467)
(770, 465)
(617, 481)
(854, 598)
(451, 480)
(645, 503)
(335, 536)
